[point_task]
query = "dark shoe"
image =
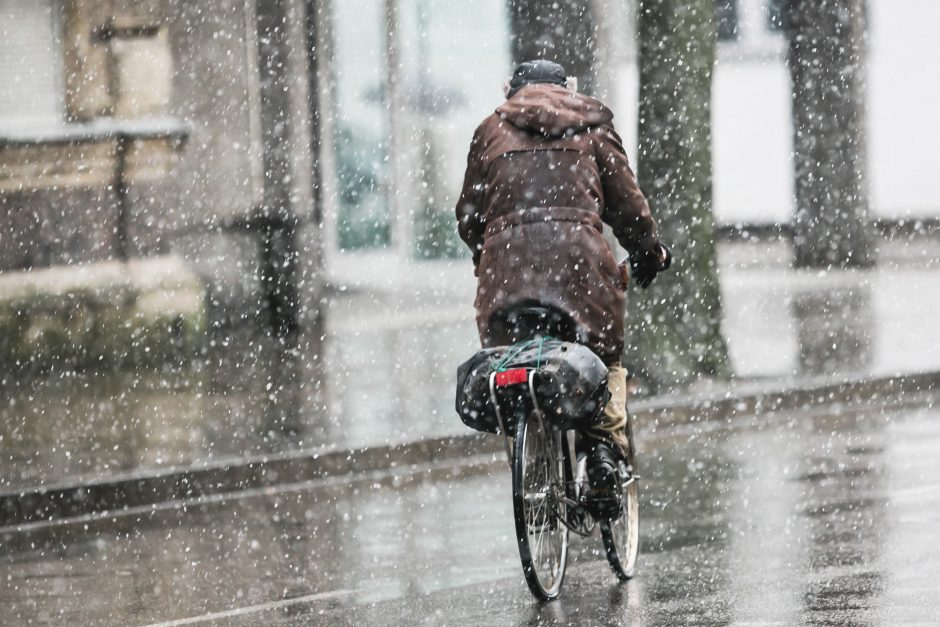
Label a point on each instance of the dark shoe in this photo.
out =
(602, 468)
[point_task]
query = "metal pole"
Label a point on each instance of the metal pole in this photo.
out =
(122, 237)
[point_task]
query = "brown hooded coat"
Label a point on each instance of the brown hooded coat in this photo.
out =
(543, 172)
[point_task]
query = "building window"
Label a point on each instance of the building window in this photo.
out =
(362, 121)
(444, 106)
(30, 63)
(399, 134)
(726, 19)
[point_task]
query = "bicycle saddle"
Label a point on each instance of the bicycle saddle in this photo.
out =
(525, 321)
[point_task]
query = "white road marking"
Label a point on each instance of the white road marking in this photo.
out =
(252, 609)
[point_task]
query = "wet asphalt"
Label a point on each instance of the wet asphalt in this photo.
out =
(826, 516)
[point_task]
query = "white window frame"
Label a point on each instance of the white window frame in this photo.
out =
(56, 113)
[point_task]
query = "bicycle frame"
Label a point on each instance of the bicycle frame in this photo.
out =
(558, 494)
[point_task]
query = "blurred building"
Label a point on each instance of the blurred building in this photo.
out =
(160, 129)
(406, 92)
(275, 145)
(752, 130)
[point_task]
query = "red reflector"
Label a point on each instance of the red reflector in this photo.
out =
(512, 377)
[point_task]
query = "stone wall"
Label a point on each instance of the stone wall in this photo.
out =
(145, 312)
(163, 148)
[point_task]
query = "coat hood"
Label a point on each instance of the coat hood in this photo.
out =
(553, 111)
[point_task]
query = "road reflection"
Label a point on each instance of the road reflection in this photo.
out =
(845, 520)
(835, 329)
(782, 523)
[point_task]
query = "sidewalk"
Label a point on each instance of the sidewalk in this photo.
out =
(44, 509)
(387, 375)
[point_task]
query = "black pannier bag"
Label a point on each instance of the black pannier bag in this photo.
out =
(570, 385)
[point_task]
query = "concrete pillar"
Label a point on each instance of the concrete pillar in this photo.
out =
(674, 328)
(827, 60)
(285, 115)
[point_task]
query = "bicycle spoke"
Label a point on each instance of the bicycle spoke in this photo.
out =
(538, 549)
(541, 520)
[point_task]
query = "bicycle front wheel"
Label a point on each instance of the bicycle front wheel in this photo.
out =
(622, 535)
(539, 475)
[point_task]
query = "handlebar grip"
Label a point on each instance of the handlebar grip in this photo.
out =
(624, 274)
(667, 261)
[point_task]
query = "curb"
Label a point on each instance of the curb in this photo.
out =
(67, 500)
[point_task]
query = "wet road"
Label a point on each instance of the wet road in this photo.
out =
(831, 516)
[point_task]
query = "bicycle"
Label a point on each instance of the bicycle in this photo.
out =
(549, 479)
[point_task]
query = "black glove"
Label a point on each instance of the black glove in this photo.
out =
(648, 260)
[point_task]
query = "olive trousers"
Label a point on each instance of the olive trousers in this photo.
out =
(613, 425)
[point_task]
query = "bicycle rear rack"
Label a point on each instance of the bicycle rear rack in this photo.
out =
(499, 414)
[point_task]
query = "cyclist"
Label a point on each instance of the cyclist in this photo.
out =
(543, 172)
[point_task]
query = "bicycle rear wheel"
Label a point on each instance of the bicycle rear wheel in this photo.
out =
(539, 474)
(622, 536)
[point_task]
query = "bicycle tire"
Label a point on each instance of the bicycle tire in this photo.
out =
(535, 508)
(622, 536)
